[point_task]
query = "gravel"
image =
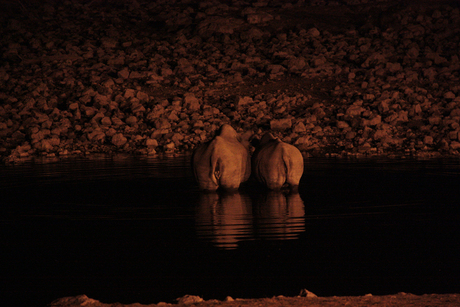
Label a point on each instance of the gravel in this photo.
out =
(350, 78)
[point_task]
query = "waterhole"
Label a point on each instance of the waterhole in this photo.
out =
(138, 230)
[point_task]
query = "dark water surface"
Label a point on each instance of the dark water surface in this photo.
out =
(138, 230)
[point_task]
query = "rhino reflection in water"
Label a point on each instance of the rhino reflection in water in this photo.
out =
(224, 162)
(226, 219)
(276, 164)
(279, 215)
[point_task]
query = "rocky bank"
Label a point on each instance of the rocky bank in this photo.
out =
(335, 78)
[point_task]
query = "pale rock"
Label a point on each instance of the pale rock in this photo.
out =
(124, 73)
(106, 121)
(44, 145)
(119, 140)
(257, 18)
(350, 135)
(355, 110)
(191, 102)
(303, 141)
(453, 135)
(162, 123)
(117, 121)
(177, 138)
(455, 145)
(313, 32)
(131, 120)
(151, 142)
(449, 95)
(217, 24)
(281, 124)
(376, 120)
(129, 93)
(170, 146)
(342, 124)
(111, 132)
(96, 135)
(306, 293)
(73, 106)
(380, 134)
(299, 128)
(296, 64)
(189, 299)
(434, 120)
(242, 101)
(143, 97)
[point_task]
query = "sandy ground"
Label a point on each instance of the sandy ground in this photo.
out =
(400, 299)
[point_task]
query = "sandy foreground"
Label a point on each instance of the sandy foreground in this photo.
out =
(400, 299)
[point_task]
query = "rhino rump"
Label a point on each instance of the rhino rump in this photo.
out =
(277, 164)
(221, 163)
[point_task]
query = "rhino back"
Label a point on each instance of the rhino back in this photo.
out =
(222, 162)
(232, 165)
(268, 166)
(276, 163)
(293, 160)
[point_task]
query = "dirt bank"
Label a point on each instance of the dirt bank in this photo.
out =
(400, 299)
(340, 78)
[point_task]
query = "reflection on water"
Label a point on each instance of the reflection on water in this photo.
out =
(227, 218)
(224, 218)
(279, 215)
(130, 230)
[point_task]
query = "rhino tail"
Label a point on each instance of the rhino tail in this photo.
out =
(215, 169)
(287, 161)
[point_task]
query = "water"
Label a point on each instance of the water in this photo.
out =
(138, 230)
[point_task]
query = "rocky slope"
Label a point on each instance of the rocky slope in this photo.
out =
(345, 78)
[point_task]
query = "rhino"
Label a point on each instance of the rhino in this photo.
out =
(277, 164)
(224, 162)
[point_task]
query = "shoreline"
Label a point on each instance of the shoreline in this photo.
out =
(399, 299)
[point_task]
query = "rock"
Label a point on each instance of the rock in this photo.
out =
(189, 299)
(449, 95)
(258, 18)
(80, 300)
(131, 120)
(342, 124)
(313, 32)
(191, 102)
(455, 145)
(151, 143)
(428, 140)
(281, 124)
(299, 128)
(355, 110)
(162, 123)
(242, 101)
(124, 73)
(119, 140)
(106, 121)
(306, 293)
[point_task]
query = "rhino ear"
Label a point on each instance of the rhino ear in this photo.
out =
(245, 138)
(227, 131)
(267, 137)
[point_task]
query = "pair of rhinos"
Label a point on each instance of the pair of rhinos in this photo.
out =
(225, 162)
